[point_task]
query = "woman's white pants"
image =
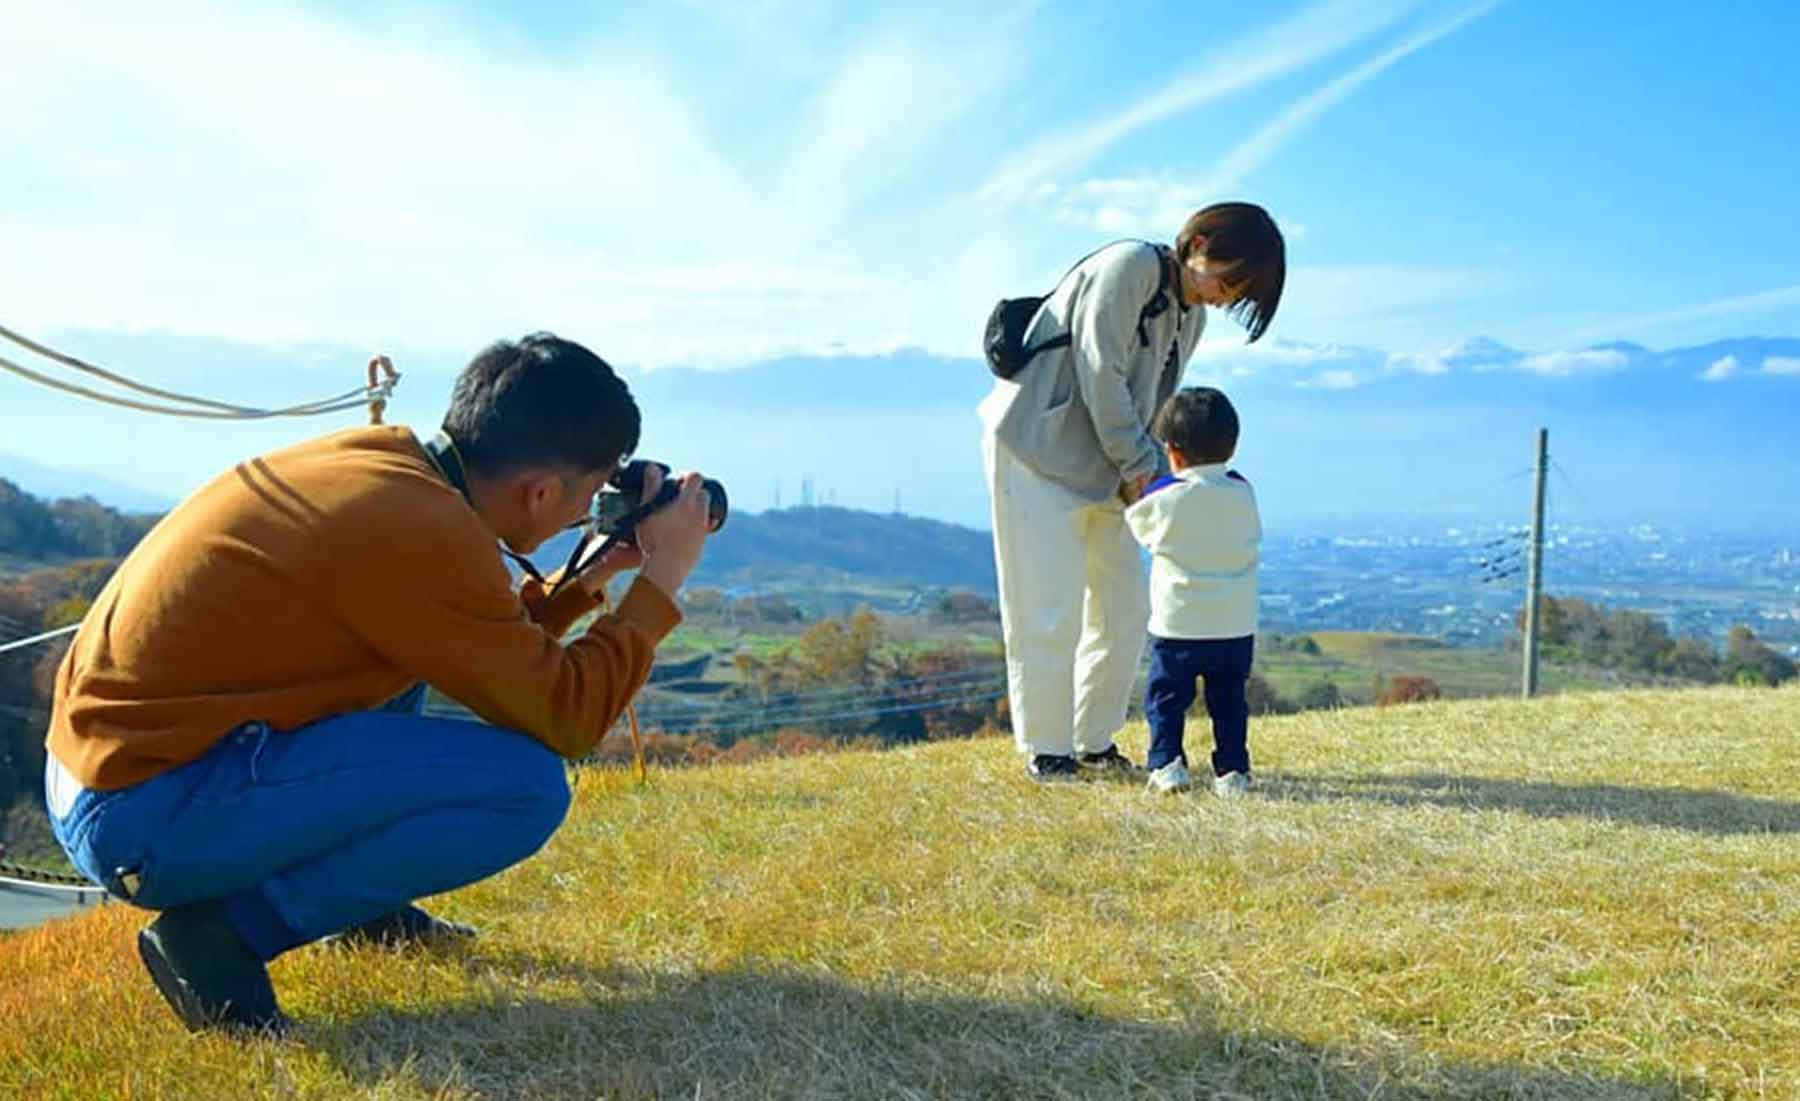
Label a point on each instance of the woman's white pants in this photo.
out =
(1074, 608)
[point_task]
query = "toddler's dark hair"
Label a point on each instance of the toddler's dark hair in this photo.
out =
(1200, 422)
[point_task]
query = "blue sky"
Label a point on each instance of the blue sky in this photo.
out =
(248, 199)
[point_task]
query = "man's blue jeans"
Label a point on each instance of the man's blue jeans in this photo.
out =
(306, 833)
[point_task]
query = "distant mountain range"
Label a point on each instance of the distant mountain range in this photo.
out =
(801, 546)
(51, 483)
(795, 547)
(1336, 436)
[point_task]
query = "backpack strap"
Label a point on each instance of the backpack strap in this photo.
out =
(1154, 308)
(1159, 302)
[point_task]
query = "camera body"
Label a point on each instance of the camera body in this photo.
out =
(619, 506)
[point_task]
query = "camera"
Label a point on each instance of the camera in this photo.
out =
(619, 506)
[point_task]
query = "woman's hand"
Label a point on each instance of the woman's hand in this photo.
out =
(1131, 489)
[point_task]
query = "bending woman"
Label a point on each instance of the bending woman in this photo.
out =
(1067, 447)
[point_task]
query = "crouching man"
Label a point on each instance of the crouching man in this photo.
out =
(235, 739)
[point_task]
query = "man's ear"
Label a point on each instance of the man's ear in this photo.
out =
(540, 492)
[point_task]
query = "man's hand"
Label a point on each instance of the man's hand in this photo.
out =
(671, 538)
(599, 570)
(594, 573)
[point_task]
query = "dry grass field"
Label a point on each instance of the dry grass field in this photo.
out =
(1586, 896)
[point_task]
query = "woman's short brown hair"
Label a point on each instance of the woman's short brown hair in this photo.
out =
(1242, 234)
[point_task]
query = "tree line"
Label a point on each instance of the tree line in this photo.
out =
(1573, 631)
(42, 600)
(75, 527)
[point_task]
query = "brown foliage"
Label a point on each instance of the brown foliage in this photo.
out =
(954, 723)
(795, 743)
(659, 749)
(743, 752)
(962, 606)
(1408, 688)
(841, 651)
(1260, 695)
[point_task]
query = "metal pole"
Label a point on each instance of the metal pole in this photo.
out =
(1534, 584)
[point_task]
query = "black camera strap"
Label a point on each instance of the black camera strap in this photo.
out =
(441, 450)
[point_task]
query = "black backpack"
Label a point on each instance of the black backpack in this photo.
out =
(1004, 342)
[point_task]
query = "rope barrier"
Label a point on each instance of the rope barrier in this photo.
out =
(374, 396)
(639, 770)
(21, 643)
(25, 872)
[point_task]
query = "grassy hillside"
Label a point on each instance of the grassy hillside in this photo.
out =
(1584, 896)
(1352, 660)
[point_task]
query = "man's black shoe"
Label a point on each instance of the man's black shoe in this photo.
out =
(405, 927)
(209, 976)
(1109, 763)
(1049, 768)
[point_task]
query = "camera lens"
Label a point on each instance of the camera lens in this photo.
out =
(614, 507)
(630, 477)
(717, 506)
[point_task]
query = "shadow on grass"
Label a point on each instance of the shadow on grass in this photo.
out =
(785, 1033)
(1717, 813)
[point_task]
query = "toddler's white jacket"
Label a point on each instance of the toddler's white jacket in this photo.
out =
(1204, 536)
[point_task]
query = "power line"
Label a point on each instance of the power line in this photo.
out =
(798, 716)
(784, 699)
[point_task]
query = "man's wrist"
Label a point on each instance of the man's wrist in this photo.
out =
(593, 582)
(663, 576)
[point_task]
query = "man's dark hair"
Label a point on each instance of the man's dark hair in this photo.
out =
(540, 401)
(1200, 422)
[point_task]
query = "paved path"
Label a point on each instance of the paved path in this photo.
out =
(25, 905)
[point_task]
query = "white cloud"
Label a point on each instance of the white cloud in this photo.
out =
(1781, 365)
(1333, 380)
(1314, 32)
(854, 147)
(1326, 299)
(1474, 354)
(1420, 363)
(1275, 354)
(269, 175)
(1720, 369)
(1774, 299)
(1261, 147)
(1584, 361)
(1482, 354)
(1153, 207)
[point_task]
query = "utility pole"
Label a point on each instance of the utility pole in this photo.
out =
(1534, 578)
